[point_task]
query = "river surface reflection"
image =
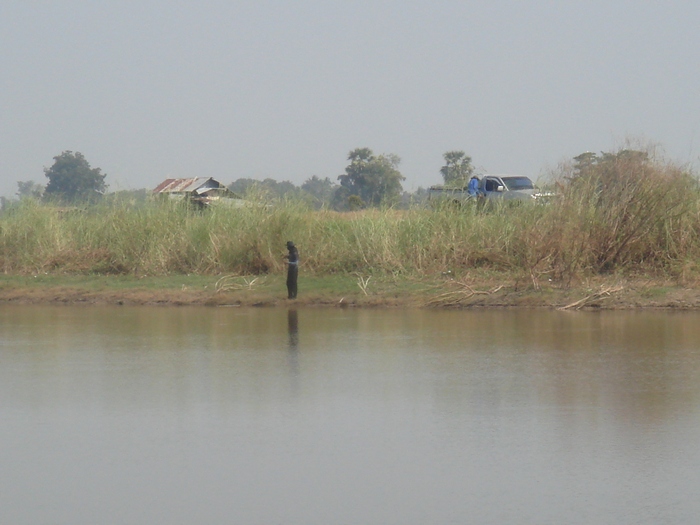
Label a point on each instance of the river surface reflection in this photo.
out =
(332, 416)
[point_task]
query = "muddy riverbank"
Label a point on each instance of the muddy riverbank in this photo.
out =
(348, 291)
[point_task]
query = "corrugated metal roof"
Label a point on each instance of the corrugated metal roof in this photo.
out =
(186, 185)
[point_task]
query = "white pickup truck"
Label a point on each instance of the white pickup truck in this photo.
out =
(491, 187)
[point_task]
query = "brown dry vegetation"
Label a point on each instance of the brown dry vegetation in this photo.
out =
(629, 217)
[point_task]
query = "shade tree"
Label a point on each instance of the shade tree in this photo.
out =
(371, 180)
(457, 170)
(72, 179)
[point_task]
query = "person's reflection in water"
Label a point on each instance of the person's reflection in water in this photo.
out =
(293, 346)
(293, 329)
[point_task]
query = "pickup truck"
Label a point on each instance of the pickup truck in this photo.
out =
(491, 187)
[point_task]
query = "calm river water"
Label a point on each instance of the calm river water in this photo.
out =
(330, 416)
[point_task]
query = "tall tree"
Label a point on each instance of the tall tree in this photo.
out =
(584, 162)
(72, 179)
(319, 190)
(458, 169)
(374, 179)
(29, 189)
(610, 167)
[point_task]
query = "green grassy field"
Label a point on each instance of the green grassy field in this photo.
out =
(634, 221)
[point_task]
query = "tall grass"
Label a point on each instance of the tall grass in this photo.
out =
(632, 218)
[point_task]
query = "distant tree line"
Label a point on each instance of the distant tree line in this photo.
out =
(369, 180)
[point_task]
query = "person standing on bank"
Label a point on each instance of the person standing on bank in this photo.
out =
(292, 269)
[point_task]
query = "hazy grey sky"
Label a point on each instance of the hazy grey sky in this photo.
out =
(285, 89)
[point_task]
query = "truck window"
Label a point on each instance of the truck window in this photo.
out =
(491, 185)
(518, 183)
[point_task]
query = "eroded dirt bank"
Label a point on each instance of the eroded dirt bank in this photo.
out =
(441, 293)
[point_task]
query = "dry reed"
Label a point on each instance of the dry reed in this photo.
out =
(635, 217)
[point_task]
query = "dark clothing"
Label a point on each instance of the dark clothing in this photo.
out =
(292, 270)
(292, 274)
